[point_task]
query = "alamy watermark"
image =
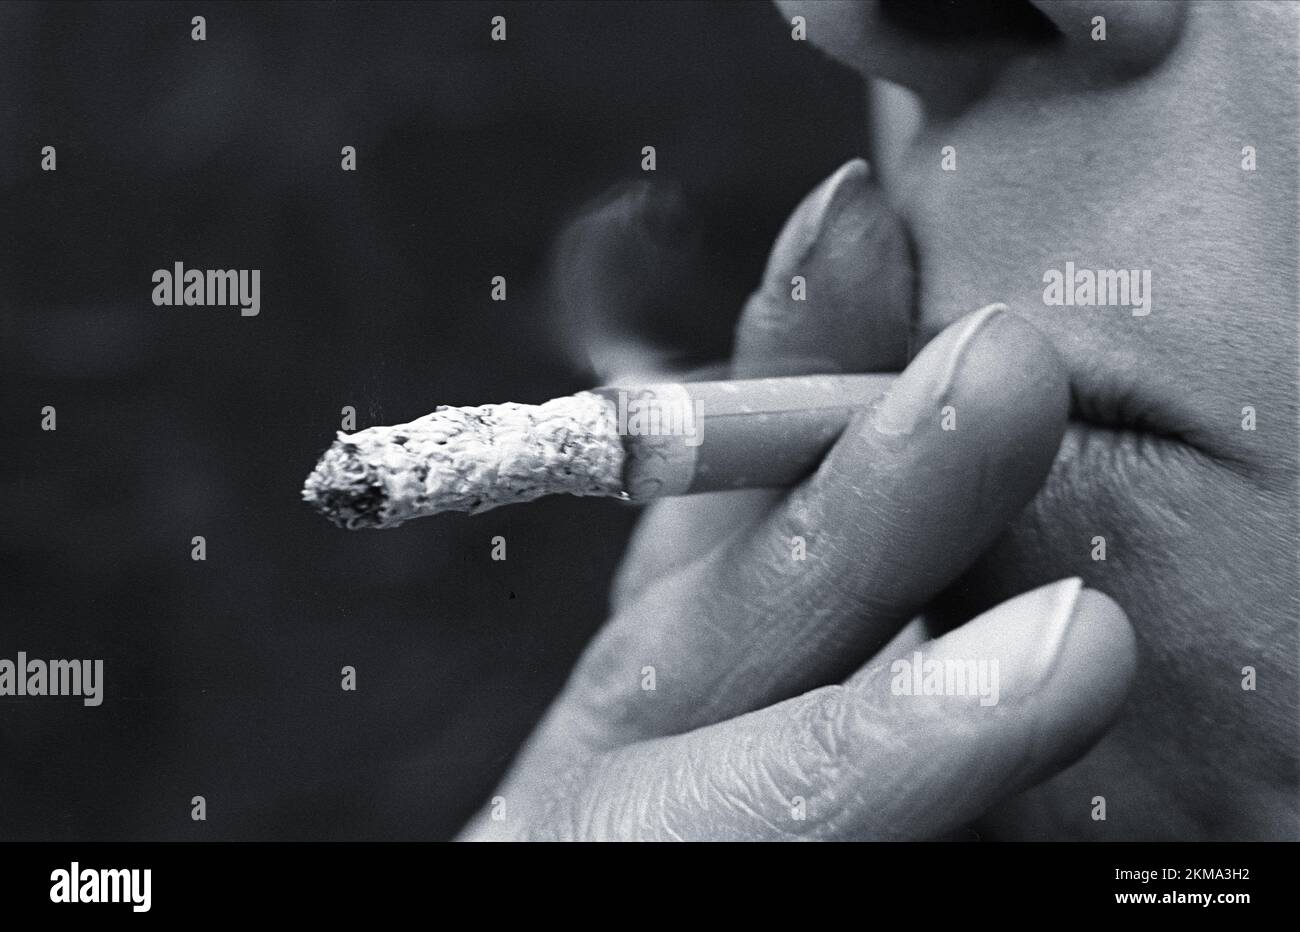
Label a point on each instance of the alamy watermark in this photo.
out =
(179, 287)
(1098, 288)
(34, 677)
(80, 884)
(646, 414)
(948, 677)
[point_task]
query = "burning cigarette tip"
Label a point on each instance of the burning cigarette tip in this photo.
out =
(469, 459)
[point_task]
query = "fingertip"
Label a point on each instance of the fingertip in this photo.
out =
(837, 290)
(1011, 372)
(1099, 653)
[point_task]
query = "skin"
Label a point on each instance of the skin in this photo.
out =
(772, 673)
(1132, 158)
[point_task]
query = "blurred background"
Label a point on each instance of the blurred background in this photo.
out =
(222, 677)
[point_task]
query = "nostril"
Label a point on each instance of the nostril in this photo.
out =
(948, 53)
(960, 19)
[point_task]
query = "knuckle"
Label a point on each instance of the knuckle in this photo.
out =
(819, 759)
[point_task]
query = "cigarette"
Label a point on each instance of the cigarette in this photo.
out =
(635, 443)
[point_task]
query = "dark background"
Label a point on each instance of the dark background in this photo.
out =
(222, 678)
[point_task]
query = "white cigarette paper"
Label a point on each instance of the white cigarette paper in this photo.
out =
(763, 432)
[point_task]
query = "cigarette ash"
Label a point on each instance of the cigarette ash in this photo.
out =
(469, 459)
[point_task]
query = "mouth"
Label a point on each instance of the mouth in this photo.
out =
(1123, 406)
(1125, 425)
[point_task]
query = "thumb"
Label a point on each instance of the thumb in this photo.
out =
(999, 705)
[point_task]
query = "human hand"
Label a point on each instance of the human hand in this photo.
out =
(746, 686)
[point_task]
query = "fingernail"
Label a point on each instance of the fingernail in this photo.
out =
(1067, 658)
(926, 384)
(1029, 648)
(801, 244)
(1059, 602)
(816, 245)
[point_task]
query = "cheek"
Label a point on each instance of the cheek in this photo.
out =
(1196, 555)
(1035, 196)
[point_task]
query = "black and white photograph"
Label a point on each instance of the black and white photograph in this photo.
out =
(650, 420)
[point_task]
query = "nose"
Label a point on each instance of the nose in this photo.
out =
(950, 53)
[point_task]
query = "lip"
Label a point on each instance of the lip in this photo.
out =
(1091, 451)
(1113, 402)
